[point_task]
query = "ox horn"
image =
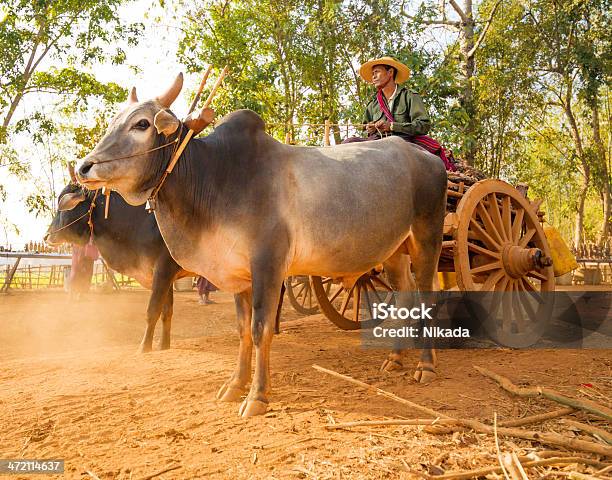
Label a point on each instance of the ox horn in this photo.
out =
(71, 172)
(168, 98)
(133, 98)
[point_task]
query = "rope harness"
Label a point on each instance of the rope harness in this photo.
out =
(88, 214)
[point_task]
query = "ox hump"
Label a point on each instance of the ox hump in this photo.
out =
(243, 120)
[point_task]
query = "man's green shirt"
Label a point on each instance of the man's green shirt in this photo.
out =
(408, 111)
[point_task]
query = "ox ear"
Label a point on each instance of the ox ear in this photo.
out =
(70, 200)
(133, 98)
(166, 123)
(169, 96)
(201, 121)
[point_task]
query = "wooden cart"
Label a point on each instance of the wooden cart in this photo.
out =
(493, 241)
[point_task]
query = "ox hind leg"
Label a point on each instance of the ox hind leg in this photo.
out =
(397, 268)
(235, 388)
(424, 246)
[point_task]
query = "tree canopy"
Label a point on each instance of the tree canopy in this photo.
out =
(519, 89)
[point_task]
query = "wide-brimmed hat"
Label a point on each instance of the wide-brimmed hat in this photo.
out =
(403, 72)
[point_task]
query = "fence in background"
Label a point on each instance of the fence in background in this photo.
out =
(29, 271)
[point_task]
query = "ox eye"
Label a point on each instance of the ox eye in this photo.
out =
(142, 125)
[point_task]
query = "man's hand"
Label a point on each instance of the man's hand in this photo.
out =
(370, 128)
(383, 126)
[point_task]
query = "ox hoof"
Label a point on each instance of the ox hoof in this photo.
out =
(164, 345)
(144, 348)
(425, 374)
(391, 365)
(228, 393)
(251, 408)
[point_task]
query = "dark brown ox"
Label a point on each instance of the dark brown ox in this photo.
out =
(247, 211)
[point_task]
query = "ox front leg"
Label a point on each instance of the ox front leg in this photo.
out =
(161, 300)
(235, 388)
(266, 289)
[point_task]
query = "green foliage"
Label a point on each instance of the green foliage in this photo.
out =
(75, 34)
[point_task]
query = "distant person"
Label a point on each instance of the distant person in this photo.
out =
(395, 110)
(81, 270)
(204, 289)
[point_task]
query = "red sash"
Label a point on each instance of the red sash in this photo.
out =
(425, 141)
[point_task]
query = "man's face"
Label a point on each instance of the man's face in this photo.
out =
(381, 76)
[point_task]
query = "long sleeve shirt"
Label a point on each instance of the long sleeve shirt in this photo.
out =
(408, 111)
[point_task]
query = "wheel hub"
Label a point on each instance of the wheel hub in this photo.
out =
(518, 261)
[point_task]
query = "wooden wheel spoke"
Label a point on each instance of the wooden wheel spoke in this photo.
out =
(356, 303)
(367, 298)
(538, 275)
(527, 237)
(503, 284)
(488, 223)
(381, 282)
(299, 293)
(486, 268)
(484, 251)
(338, 292)
(373, 288)
(346, 301)
(517, 225)
(309, 297)
(508, 314)
(496, 217)
(482, 234)
(507, 216)
(525, 301)
(531, 289)
(492, 280)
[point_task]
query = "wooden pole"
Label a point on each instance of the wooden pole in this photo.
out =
(196, 99)
(326, 139)
(217, 84)
(9, 278)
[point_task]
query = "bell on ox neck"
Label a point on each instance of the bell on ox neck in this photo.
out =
(150, 205)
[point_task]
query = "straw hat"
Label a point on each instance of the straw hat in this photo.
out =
(403, 72)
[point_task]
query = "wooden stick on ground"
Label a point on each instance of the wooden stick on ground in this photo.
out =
(541, 417)
(376, 423)
(161, 472)
(599, 432)
(535, 463)
(586, 405)
(382, 392)
(542, 437)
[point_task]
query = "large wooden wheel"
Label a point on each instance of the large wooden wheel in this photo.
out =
(500, 247)
(351, 309)
(300, 295)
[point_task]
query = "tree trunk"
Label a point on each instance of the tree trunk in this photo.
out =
(466, 39)
(602, 161)
(579, 225)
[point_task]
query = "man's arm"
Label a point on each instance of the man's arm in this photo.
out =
(419, 123)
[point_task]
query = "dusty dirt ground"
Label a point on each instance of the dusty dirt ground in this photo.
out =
(73, 387)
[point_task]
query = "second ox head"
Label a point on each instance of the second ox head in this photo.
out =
(124, 159)
(69, 225)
